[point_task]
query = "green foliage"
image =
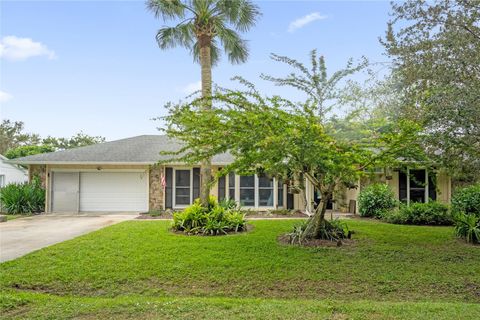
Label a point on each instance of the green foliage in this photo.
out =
(24, 151)
(431, 213)
(12, 135)
(79, 140)
(333, 230)
(294, 141)
(24, 198)
(297, 234)
(467, 226)
(375, 199)
(433, 46)
(467, 200)
(215, 219)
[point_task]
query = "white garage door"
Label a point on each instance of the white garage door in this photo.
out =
(113, 191)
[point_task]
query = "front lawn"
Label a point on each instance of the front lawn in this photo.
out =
(140, 268)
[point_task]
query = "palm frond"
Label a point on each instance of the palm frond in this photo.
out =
(180, 35)
(234, 46)
(242, 14)
(167, 9)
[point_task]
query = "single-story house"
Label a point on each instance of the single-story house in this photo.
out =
(124, 175)
(11, 173)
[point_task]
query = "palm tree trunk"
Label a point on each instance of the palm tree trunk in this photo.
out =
(206, 77)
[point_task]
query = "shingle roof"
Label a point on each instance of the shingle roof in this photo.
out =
(136, 150)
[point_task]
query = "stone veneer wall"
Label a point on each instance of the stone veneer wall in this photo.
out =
(155, 188)
(38, 170)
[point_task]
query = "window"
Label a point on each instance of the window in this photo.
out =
(247, 191)
(416, 186)
(182, 188)
(265, 192)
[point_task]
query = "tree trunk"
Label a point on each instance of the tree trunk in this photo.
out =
(317, 221)
(206, 78)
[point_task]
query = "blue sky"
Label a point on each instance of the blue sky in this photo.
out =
(94, 66)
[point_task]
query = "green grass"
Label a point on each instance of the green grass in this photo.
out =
(140, 268)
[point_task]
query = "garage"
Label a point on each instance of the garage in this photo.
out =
(99, 191)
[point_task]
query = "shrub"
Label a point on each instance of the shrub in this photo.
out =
(467, 226)
(23, 198)
(375, 199)
(467, 200)
(431, 213)
(216, 219)
(333, 230)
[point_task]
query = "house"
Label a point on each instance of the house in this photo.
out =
(11, 173)
(123, 175)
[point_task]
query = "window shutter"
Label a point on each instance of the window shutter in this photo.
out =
(168, 187)
(196, 183)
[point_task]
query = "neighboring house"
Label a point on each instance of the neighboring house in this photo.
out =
(11, 173)
(123, 175)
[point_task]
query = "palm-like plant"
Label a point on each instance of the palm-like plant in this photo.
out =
(204, 26)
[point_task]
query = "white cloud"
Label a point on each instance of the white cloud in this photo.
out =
(17, 49)
(4, 96)
(303, 21)
(192, 87)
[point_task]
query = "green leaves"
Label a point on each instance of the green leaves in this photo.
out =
(215, 21)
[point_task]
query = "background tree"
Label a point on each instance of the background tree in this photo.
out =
(205, 27)
(15, 143)
(12, 135)
(79, 140)
(435, 49)
(294, 140)
(23, 151)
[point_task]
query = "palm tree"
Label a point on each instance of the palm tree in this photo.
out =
(202, 27)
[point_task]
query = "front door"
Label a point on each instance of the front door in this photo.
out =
(65, 191)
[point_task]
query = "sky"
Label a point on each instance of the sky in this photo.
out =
(94, 66)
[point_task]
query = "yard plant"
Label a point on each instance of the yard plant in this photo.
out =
(466, 213)
(376, 199)
(215, 219)
(430, 213)
(23, 198)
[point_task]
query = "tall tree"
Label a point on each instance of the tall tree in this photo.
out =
(295, 141)
(12, 135)
(435, 48)
(204, 27)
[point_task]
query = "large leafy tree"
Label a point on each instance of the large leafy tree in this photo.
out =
(435, 48)
(205, 27)
(12, 135)
(295, 140)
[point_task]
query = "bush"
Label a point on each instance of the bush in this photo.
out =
(467, 200)
(214, 220)
(467, 226)
(333, 230)
(23, 198)
(431, 213)
(375, 199)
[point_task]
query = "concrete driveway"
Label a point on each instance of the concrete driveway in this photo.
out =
(24, 235)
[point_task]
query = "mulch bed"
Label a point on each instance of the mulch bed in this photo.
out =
(315, 243)
(146, 216)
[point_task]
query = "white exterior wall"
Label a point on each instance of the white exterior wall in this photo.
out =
(12, 173)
